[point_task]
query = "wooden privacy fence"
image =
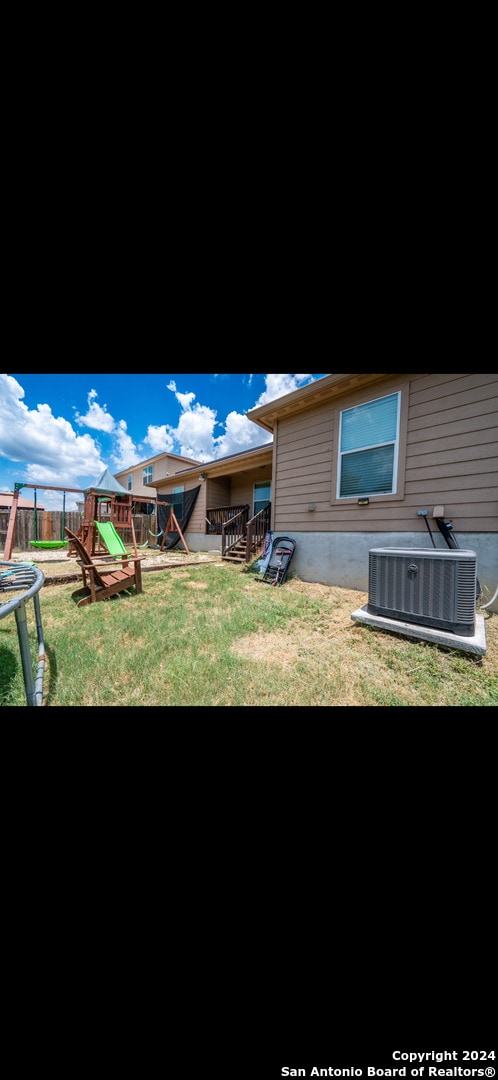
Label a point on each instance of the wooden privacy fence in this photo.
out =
(50, 526)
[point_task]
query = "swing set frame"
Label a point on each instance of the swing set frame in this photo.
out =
(9, 540)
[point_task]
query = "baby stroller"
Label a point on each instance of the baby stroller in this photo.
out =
(278, 564)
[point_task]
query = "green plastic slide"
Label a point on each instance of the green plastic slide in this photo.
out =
(111, 538)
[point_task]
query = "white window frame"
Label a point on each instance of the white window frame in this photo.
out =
(399, 462)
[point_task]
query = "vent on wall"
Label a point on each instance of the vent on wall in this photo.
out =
(431, 588)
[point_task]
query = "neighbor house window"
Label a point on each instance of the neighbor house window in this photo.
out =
(369, 448)
(262, 496)
(130, 481)
(147, 474)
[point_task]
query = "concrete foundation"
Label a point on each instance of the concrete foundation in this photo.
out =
(475, 644)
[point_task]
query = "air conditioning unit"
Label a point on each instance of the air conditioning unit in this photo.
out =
(431, 588)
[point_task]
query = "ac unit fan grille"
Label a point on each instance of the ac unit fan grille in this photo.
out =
(416, 586)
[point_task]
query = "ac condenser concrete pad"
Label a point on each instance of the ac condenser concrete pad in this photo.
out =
(475, 644)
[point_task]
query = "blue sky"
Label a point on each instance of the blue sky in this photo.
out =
(64, 430)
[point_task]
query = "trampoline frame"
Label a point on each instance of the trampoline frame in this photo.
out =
(14, 577)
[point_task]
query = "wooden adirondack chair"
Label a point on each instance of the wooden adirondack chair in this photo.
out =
(106, 575)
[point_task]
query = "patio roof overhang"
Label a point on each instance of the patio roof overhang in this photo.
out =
(259, 457)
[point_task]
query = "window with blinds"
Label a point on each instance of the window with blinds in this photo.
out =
(368, 448)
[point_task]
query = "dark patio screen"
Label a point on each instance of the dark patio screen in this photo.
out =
(182, 503)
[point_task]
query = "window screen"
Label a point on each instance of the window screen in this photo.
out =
(368, 448)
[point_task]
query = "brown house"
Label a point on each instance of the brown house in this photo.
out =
(358, 462)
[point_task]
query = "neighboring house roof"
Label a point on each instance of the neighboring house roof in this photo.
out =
(22, 504)
(158, 457)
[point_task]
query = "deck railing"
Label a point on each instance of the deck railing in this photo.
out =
(218, 516)
(257, 529)
(233, 524)
(234, 530)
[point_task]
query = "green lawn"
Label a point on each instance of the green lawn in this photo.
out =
(211, 635)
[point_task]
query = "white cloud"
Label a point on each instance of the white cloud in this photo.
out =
(124, 453)
(97, 416)
(52, 453)
(47, 446)
(278, 385)
(197, 435)
(160, 440)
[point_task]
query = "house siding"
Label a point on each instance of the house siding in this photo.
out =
(448, 457)
(451, 458)
(197, 524)
(218, 491)
(243, 486)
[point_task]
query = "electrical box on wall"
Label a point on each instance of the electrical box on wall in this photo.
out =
(431, 588)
